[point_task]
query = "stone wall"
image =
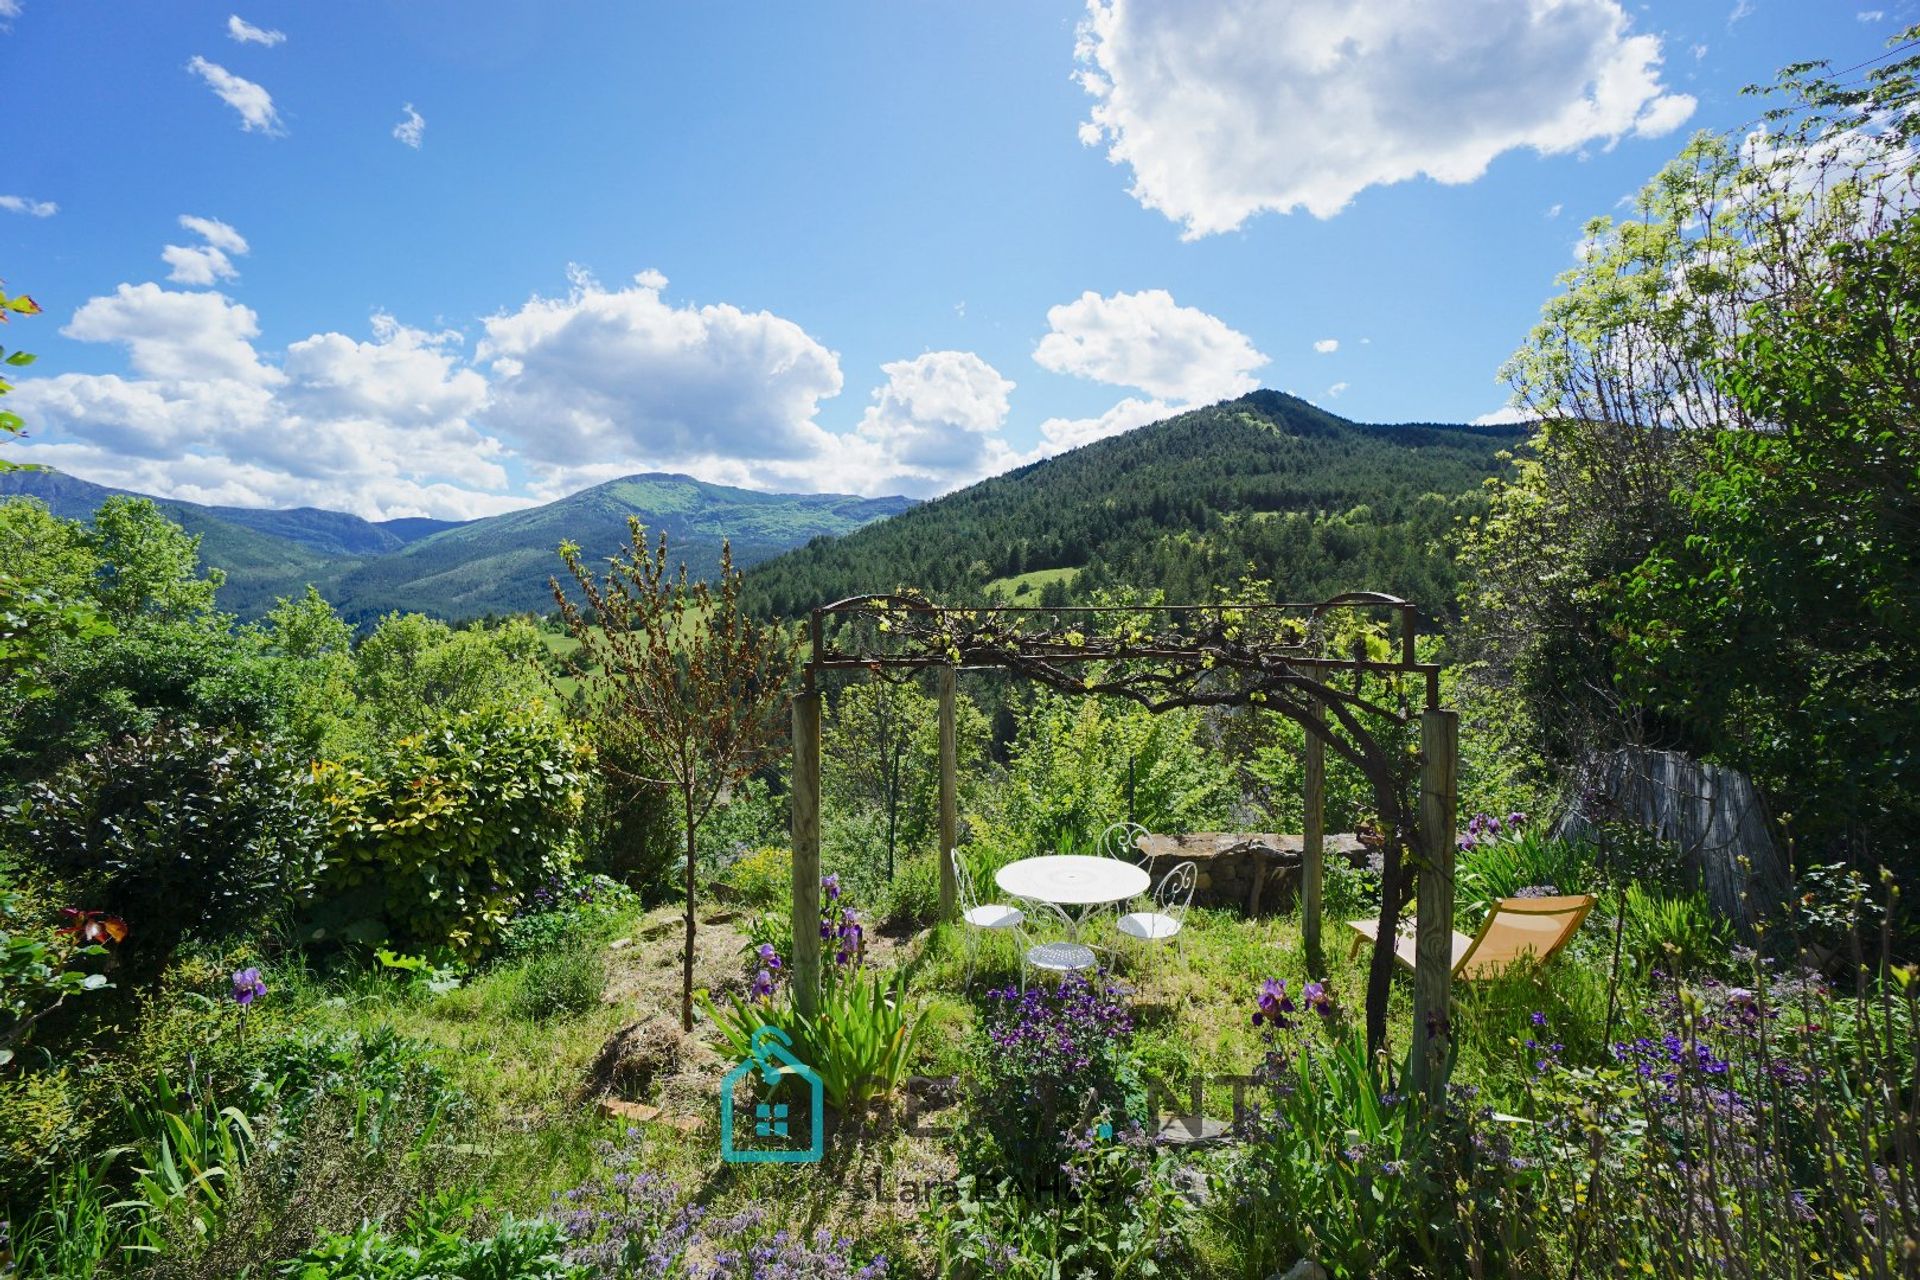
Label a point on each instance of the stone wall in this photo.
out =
(1253, 873)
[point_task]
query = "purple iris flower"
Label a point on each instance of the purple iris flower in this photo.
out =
(769, 958)
(1274, 1002)
(831, 887)
(762, 986)
(248, 986)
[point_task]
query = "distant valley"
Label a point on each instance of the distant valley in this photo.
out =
(458, 570)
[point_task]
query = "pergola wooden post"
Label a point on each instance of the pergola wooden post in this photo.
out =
(806, 849)
(949, 795)
(1313, 841)
(1432, 1051)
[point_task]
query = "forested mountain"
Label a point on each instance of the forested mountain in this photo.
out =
(1267, 484)
(501, 564)
(468, 569)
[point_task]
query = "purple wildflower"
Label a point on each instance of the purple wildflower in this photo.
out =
(248, 986)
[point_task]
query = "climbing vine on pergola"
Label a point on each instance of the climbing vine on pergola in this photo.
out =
(1345, 670)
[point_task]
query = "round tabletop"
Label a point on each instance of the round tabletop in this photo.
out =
(1074, 880)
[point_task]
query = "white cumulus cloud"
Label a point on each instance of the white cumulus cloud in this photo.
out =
(208, 263)
(380, 427)
(254, 103)
(1223, 109)
(1149, 341)
(412, 128)
(31, 207)
(1504, 416)
(625, 378)
(1180, 356)
(238, 28)
(1327, 346)
(1333, 392)
(934, 425)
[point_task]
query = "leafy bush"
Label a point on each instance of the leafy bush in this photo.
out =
(763, 877)
(440, 835)
(378, 1075)
(181, 830)
(37, 971)
(434, 1246)
(1117, 1212)
(1678, 933)
(41, 1130)
(561, 912)
(913, 899)
(1048, 1064)
(566, 980)
(1069, 777)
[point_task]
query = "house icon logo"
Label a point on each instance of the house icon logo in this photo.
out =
(772, 1056)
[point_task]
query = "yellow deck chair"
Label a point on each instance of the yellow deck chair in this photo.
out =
(1516, 929)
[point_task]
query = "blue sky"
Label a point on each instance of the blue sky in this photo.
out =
(883, 247)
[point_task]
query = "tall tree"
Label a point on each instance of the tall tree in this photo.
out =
(676, 670)
(1626, 376)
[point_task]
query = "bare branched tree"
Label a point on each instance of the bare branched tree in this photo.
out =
(676, 669)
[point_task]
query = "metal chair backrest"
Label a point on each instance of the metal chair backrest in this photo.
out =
(1522, 928)
(963, 879)
(1121, 840)
(1174, 894)
(1035, 910)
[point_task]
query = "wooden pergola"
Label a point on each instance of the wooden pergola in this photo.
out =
(1281, 657)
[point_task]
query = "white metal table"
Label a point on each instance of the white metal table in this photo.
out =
(1073, 881)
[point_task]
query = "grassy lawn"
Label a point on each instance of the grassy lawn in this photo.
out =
(531, 1078)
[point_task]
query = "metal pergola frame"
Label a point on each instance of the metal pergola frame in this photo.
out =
(1267, 655)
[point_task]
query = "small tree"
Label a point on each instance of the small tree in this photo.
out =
(676, 670)
(10, 423)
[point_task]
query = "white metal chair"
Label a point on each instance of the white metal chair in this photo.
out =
(1121, 840)
(1171, 898)
(1062, 955)
(976, 915)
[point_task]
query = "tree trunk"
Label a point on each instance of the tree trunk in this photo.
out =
(1380, 970)
(686, 968)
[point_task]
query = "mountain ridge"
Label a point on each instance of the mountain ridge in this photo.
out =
(470, 568)
(1266, 484)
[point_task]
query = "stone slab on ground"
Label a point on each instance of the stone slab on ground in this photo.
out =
(1253, 871)
(1191, 1131)
(632, 1112)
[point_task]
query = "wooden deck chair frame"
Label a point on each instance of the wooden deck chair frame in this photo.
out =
(1573, 907)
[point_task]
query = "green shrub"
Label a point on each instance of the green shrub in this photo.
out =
(913, 899)
(38, 972)
(438, 836)
(564, 913)
(434, 1245)
(41, 1130)
(1677, 933)
(181, 830)
(560, 982)
(1501, 867)
(378, 1076)
(762, 878)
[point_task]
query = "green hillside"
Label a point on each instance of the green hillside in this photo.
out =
(1266, 484)
(502, 564)
(258, 564)
(460, 570)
